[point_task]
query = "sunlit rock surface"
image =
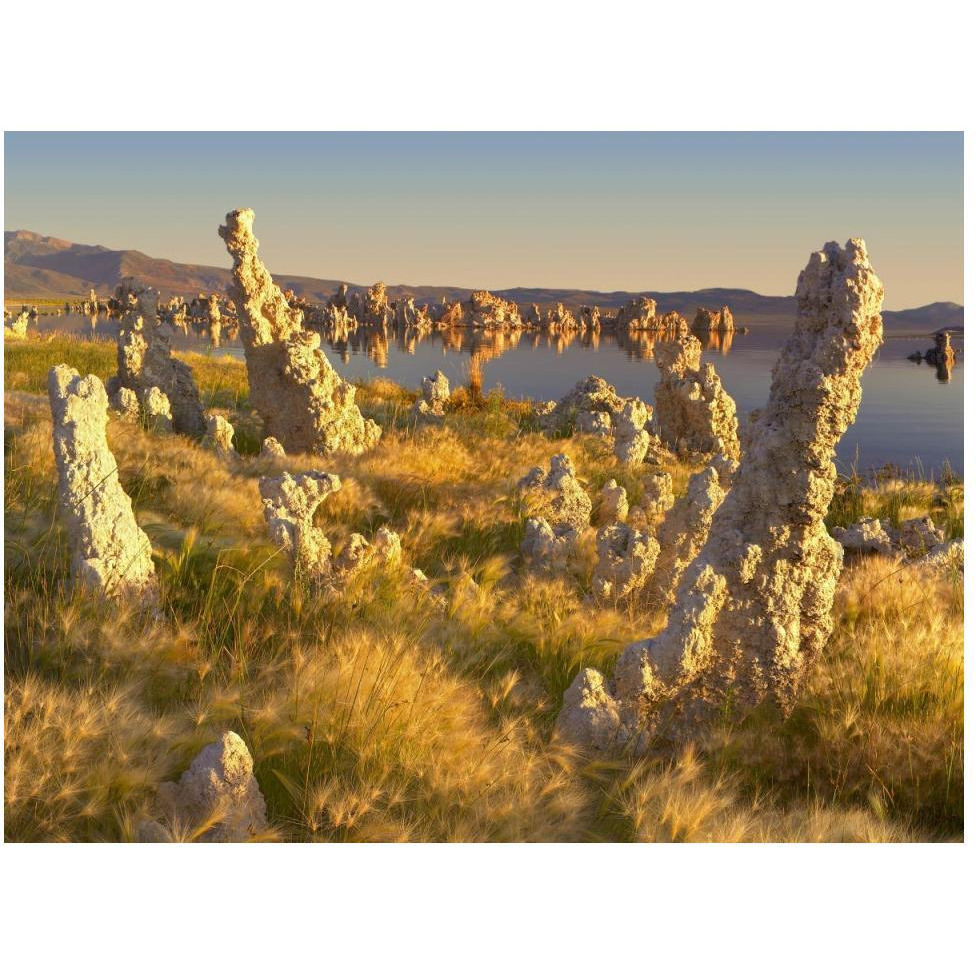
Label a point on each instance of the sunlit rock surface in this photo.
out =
(110, 554)
(304, 403)
(753, 610)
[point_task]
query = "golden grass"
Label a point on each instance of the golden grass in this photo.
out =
(382, 717)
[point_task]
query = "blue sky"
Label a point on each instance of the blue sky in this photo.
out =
(634, 211)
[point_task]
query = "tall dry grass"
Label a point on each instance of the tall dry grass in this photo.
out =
(385, 717)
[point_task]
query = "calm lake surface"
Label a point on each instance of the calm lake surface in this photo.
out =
(908, 416)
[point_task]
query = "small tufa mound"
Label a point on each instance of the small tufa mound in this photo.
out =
(359, 554)
(557, 497)
(658, 493)
(560, 511)
(219, 788)
(947, 557)
(220, 438)
(594, 422)
(125, 402)
(435, 392)
(156, 410)
(303, 402)
(914, 539)
(866, 535)
(626, 557)
(271, 449)
(612, 504)
(289, 508)
(632, 439)
(594, 395)
(111, 555)
(694, 413)
(919, 535)
(17, 329)
(547, 547)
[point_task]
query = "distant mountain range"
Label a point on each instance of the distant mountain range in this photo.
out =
(47, 267)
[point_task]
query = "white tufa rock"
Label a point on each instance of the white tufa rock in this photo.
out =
(658, 493)
(557, 497)
(594, 395)
(145, 361)
(304, 403)
(594, 422)
(919, 535)
(684, 531)
(17, 329)
(289, 508)
(754, 609)
(560, 510)
(220, 437)
(947, 557)
(125, 402)
(435, 392)
(632, 439)
(694, 413)
(547, 547)
(156, 410)
(219, 787)
(612, 504)
(866, 535)
(387, 544)
(626, 557)
(110, 554)
(271, 448)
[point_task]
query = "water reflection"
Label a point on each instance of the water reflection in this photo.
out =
(942, 356)
(903, 418)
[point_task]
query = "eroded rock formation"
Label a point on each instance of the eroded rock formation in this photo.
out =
(631, 437)
(110, 554)
(612, 504)
(145, 360)
(593, 396)
(17, 329)
(271, 448)
(684, 531)
(490, 311)
(594, 422)
(557, 496)
(638, 315)
(435, 392)
(866, 535)
(559, 510)
(125, 402)
(708, 321)
(304, 403)
(658, 493)
(754, 608)
(219, 788)
(359, 554)
(220, 437)
(626, 557)
(694, 413)
(157, 410)
(290, 503)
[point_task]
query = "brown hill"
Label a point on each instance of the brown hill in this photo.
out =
(38, 267)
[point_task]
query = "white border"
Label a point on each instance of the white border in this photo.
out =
(508, 65)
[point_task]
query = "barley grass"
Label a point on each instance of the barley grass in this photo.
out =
(385, 718)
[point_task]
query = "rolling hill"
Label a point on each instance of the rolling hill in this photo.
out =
(37, 267)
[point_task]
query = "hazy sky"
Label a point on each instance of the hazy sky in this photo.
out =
(633, 211)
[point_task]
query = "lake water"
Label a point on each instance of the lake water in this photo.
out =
(908, 415)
